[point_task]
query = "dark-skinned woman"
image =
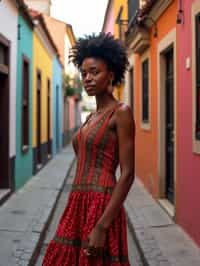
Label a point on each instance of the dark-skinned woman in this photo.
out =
(92, 229)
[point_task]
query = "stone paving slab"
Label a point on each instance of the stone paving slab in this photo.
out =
(161, 241)
(25, 215)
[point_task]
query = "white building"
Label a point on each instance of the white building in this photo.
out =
(8, 58)
(44, 6)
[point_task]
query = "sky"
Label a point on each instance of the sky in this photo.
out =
(85, 16)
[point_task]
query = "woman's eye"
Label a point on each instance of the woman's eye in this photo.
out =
(95, 72)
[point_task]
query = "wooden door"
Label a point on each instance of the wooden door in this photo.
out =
(4, 113)
(169, 125)
(49, 116)
(57, 118)
(39, 157)
(4, 131)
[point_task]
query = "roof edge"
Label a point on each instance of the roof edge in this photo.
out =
(106, 14)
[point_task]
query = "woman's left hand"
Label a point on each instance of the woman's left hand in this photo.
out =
(96, 241)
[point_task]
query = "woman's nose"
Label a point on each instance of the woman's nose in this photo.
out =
(88, 77)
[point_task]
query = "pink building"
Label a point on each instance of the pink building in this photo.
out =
(188, 124)
(108, 25)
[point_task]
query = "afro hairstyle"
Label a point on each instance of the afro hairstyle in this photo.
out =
(105, 47)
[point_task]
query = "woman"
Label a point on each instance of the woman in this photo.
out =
(92, 229)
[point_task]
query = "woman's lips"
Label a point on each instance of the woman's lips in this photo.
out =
(89, 88)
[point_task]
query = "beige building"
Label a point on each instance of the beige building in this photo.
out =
(44, 6)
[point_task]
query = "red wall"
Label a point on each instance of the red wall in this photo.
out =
(188, 163)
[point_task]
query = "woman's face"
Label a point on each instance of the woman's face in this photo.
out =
(96, 76)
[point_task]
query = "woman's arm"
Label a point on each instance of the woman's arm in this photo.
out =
(126, 134)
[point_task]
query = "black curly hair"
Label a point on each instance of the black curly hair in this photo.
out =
(105, 47)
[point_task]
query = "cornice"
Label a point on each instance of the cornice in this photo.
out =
(138, 37)
(138, 40)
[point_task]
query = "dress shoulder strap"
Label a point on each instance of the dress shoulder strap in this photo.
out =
(114, 109)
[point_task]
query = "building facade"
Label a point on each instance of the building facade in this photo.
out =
(44, 6)
(24, 153)
(8, 66)
(57, 105)
(188, 123)
(44, 52)
(115, 22)
(162, 85)
(64, 38)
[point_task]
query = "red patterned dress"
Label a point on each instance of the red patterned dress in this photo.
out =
(97, 160)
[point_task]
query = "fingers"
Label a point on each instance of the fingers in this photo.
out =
(93, 251)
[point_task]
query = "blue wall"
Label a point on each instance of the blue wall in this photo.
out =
(23, 167)
(57, 106)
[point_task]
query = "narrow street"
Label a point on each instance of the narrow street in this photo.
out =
(134, 256)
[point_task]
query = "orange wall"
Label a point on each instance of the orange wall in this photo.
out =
(147, 141)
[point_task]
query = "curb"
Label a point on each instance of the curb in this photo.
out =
(36, 251)
(149, 250)
(131, 228)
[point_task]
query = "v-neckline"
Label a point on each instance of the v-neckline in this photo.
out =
(90, 126)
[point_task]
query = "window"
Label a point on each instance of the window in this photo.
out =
(145, 91)
(4, 55)
(197, 87)
(25, 103)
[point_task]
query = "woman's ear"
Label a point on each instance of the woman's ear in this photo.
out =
(112, 77)
(110, 87)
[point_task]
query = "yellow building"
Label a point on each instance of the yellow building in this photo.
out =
(44, 51)
(115, 22)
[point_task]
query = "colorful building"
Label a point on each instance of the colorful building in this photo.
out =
(44, 52)
(115, 22)
(24, 153)
(188, 121)
(109, 18)
(44, 6)
(8, 66)
(57, 106)
(162, 85)
(152, 45)
(63, 36)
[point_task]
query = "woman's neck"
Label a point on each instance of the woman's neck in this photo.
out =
(104, 100)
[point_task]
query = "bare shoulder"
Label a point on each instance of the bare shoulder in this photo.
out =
(124, 112)
(125, 123)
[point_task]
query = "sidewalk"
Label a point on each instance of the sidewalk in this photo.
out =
(160, 240)
(25, 215)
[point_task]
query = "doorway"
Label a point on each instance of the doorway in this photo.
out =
(4, 131)
(39, 157)
(49, 118)
(57, 118)
(169, 134)
(5, 182)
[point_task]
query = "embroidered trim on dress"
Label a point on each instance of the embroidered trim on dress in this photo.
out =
(81, 243)
(92, 187)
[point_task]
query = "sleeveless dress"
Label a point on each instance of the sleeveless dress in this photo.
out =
(94, 181)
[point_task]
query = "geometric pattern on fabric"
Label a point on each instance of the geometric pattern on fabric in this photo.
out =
(97, 153)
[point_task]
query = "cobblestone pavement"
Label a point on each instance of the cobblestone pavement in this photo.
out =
(24, 216)
(133, 251)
